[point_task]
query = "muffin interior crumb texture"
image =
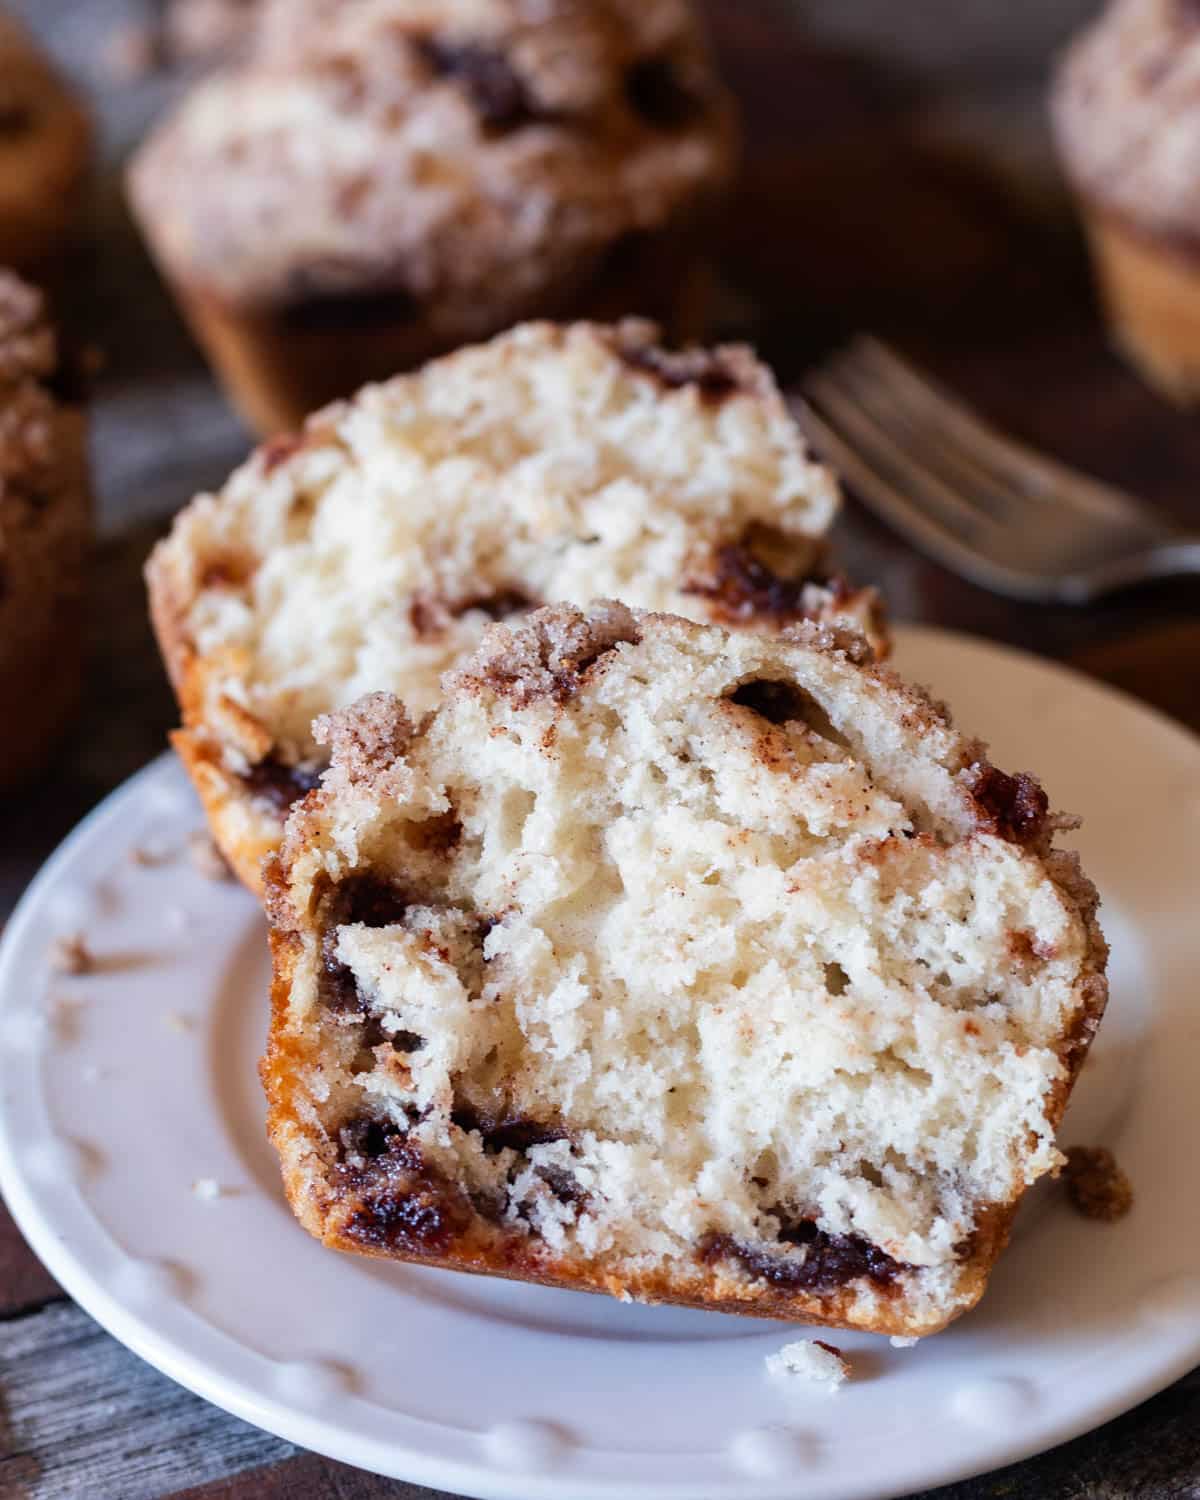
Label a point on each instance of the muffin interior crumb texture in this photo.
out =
(678, 963)
(555, 463)
(816, 1363)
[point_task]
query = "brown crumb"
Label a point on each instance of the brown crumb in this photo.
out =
(147, 856)
(207, 858)
(1097, 1187)
(71, 955)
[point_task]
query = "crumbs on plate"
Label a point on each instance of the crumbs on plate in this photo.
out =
(1096, 1185)
(811, 1360)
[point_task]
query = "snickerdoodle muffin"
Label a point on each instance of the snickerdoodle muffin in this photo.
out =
(207, 30)
(677, 964)
(44, 530)
(370, 552)
(1127, 112)
(45, 144)
(381, 182)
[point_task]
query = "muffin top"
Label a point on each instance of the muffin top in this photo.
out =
(1127, 113)
(44, 496)
(436, 149)
(28, 357)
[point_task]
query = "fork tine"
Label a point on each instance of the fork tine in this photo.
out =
(880, 451)
(908, 518)
(912, 430)
(1016, 474)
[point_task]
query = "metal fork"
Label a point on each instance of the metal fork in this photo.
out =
(982, 504)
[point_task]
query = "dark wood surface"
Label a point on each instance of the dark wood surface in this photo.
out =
(898, 177)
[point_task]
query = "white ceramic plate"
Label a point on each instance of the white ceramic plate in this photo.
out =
(122, 1089)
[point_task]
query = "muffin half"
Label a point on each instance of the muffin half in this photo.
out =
(683, 965)
(382, 182)
(370, 551)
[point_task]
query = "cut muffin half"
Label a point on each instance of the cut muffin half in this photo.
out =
(679, 964)
(554, 463)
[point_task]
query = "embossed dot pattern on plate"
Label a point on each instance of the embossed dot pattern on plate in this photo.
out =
(529, 1445)
(770, 1452)
(993, 1402)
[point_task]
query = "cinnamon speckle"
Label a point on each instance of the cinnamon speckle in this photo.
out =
(70, 954)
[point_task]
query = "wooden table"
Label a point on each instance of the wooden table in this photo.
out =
(898, 178)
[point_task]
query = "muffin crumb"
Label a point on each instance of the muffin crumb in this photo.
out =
(1096, 1185)
(813, 1360)
(71, 955)
(148, 856)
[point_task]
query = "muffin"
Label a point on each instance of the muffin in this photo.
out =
(379, 183)
(370, 552)
(1127, 115)
(44, 529)
(45, 143)
(682, 965)
(203, 31)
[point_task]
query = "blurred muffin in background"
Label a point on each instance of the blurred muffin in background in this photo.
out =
(381, 182)
(45, 521)
(204, 30)
(1126, 109)
(45, 150)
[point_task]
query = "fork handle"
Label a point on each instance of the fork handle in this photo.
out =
(1176, 558)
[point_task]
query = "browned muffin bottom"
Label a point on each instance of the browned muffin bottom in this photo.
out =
(44, 527)
(1126, 106)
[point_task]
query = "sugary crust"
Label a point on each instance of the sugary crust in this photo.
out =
(45, 144)
(543, 666)
(243, 829)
